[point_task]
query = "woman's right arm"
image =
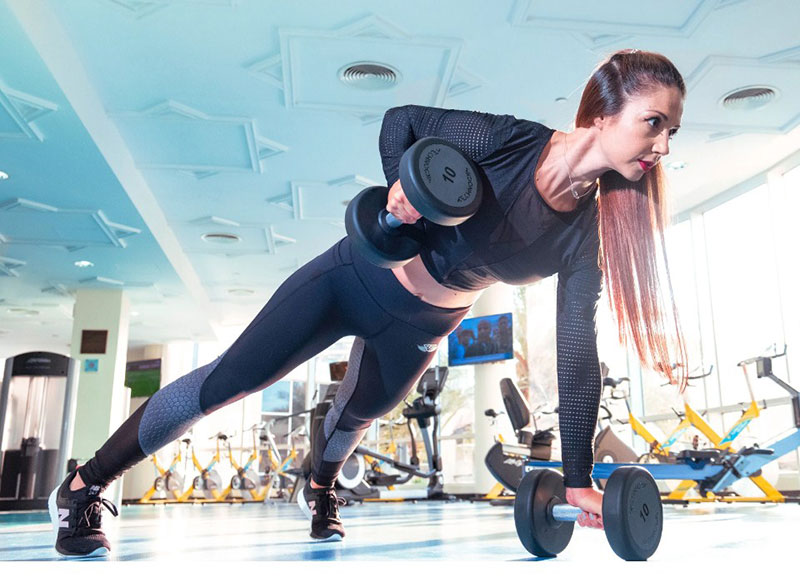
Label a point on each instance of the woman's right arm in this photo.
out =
(478, 134)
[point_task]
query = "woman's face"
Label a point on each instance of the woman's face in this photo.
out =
(634, 140)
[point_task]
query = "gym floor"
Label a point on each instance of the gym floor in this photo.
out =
(707, 535)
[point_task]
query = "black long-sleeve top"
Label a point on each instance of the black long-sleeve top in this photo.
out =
(516, 238)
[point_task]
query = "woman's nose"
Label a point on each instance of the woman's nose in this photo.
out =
(661, 146)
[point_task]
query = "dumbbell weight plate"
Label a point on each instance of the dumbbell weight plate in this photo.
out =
(537, 530)
(379, 247)
(440, 182)
(159, 484)
(632, 513)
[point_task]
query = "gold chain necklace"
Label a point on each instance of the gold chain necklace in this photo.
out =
(575, 194)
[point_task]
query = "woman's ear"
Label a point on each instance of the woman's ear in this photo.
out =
(599, 122)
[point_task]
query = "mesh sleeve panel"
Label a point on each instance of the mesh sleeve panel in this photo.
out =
(579, 381)
(476, 133)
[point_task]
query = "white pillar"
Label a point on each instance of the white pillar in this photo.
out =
(102, 398)
(496, 300)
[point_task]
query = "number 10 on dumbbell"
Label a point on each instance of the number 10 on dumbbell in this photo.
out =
(440, 182)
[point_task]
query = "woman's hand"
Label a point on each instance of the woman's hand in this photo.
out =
(399, 205)
(591, 502)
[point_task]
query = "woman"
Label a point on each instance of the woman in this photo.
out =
(554, 202)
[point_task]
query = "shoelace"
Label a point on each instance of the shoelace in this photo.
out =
(92, 513)
(333, 503)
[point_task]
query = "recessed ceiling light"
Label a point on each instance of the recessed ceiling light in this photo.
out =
(3, 175)
(676, 165)
(561, 99)
(221, 238)
(83, 263)
(134, 313)
(241, 292)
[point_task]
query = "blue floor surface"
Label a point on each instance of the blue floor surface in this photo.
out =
(461, 530)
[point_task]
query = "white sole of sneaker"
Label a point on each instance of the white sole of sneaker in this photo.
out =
(301, 502)
(52, 508)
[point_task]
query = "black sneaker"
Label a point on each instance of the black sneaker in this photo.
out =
(76, 520)
(321, 506)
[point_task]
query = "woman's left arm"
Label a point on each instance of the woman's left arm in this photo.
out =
(579, 380)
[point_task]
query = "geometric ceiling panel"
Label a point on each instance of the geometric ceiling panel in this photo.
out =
(601, 40)
(269, 70)
(425, 67)
(672, 18)
(17, 113)
(717, 76)
(59, 289)
(726, 3)
(25, 222)
(462, 82)
(790, 55)
(326, 201)
(174, 136)
(141, 8)
(254, 239)
(9, 265)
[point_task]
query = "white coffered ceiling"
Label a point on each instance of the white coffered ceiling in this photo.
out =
(131, 128)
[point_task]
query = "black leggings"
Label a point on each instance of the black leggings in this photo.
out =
(336, 294)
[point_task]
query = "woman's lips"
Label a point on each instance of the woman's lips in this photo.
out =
(645, 165)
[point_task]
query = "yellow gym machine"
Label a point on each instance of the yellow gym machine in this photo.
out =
(771, 493)
(246, 481)
(167, 480)
(209, 482)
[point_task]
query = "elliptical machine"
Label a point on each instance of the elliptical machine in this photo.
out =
(362, 478)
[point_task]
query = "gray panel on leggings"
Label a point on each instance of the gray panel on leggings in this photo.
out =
(346, 389)
(173, 409)
(341, 444)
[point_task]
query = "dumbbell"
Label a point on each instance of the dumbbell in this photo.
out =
(632, 513)
(440, 182)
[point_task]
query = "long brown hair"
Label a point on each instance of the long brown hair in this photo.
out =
(633, 217)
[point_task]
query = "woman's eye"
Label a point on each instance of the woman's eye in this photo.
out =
(654, 121)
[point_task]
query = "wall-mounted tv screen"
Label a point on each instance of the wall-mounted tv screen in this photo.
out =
(481, 339)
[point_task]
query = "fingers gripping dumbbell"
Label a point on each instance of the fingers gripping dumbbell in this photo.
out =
(632, 513)
(440, 182)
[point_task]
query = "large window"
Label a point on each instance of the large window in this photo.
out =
(658, 396)
(743, 284)
(788, 246)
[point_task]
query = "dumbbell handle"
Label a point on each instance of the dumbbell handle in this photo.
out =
(387, 221)
(566, 513)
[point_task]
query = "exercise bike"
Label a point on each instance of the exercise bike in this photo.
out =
(658, 451)
(209, 482)
(282, 476)
(246, 479)
(362, 477)
(505, 461)
(168, 480)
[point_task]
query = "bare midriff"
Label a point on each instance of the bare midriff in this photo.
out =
(415, 278)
